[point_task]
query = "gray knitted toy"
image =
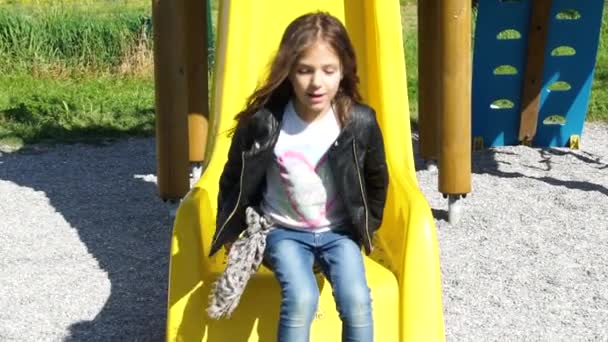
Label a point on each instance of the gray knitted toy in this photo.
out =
(244, 259)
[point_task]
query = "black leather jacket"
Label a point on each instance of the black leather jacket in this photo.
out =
(356, 159)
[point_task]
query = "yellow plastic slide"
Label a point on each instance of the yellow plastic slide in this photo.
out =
(403, 271)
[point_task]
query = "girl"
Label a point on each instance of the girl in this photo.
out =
(310, 157)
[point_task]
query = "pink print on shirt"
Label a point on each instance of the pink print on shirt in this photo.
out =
(307, 187)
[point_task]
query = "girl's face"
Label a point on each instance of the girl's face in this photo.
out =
(315, 79)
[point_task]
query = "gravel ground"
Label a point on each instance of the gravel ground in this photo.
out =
(84, 244)
(529, 259)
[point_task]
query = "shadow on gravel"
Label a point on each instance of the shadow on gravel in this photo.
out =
(583, 156)
(119, 218)
(440, 214)
(484, 162)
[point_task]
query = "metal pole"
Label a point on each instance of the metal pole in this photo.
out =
(455, 111)
(171, 99)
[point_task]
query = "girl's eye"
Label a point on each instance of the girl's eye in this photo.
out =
(304, 71)
(330, 71)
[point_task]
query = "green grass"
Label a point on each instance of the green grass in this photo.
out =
(598, 104)
(86, 109)
(75, 72)
(411, 57)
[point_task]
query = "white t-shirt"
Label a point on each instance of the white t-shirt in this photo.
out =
(300, 191)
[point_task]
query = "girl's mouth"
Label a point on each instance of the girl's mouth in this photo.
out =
(316, 97)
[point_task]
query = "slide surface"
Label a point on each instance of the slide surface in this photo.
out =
(403, 271)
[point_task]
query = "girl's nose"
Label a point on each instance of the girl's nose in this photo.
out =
(315, 82)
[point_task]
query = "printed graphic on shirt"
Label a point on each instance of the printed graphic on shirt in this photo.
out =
(306, 187)
(300, 191)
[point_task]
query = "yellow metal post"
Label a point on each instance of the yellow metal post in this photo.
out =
(171, 99)
(455, 89)
(198, 90)
(428, 78)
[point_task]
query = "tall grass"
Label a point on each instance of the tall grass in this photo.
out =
(51, 37)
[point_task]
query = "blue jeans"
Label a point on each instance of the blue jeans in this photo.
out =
(291, 254)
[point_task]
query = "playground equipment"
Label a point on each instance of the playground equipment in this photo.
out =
(444, 102)
(532, 72)
(197, 56)
(181, 39)
(533, 68)
(403, 271)
(170, 85)
(534, 64)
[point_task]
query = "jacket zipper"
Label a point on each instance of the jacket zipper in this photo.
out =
(237, 200)
(369, 240)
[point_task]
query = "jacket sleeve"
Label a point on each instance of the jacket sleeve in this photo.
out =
(230, 178)
(375, 172)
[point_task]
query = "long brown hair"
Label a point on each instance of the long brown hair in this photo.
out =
(300, 35)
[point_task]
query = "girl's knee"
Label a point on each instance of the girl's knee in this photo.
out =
(354, 303)
(306, 301)
(298, 309)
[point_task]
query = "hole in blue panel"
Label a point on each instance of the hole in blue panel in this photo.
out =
(508, 34)
(555, 120)
(505, 70)
(559, 86)
(569, 14)
(563, 50)
(502, 104)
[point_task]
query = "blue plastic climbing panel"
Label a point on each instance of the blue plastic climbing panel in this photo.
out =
(568, 73)
(499, 64)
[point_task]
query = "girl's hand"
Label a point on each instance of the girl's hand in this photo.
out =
(227, 247)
